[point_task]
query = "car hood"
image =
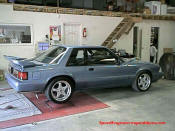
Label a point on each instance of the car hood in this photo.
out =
(134, 61)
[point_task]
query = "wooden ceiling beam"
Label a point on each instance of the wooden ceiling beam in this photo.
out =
(60, 10)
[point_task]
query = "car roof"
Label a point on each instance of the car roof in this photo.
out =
(82, 46)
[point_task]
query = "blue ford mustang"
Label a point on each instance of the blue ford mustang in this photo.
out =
(63, 69)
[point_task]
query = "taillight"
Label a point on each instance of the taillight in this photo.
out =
(23, 75)
(18, 74)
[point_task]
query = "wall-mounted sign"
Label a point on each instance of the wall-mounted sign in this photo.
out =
(42, 46)
(55, 33)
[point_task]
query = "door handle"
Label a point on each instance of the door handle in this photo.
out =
(91, 69)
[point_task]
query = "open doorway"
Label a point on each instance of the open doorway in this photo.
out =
(154, 44)
(135, 35)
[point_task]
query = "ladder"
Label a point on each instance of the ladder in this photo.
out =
(124, 27)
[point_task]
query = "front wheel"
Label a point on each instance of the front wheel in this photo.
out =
(60, 90)
(142, 82)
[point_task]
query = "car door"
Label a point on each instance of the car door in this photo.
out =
(75, 67)
(103, 69)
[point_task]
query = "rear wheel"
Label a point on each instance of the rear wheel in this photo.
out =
(59, 90)
(142, 82)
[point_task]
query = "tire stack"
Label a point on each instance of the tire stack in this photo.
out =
(167, 64)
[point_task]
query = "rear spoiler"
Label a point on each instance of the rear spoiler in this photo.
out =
(11, 58)
(23, 62)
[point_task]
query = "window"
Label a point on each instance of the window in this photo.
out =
(52, 56)
(100, 57)
(15, 34)
(76, 58)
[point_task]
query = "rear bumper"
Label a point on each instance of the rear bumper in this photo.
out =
(23, 86)
(157, 76)
(12, 82)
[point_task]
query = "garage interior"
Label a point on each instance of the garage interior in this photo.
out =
(129, 28)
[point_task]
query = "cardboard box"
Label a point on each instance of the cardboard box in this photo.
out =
(154, 6)
(147, 11)
(162, 1)
(168, 50)
(3, 1)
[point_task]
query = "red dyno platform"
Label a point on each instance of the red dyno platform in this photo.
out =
(79, 103)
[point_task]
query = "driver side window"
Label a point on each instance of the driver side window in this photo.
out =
(100, 56)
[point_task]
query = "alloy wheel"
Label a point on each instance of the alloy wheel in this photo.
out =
(61, 90)
(144, 81)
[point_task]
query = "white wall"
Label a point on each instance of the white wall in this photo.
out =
(125, 42)
(166, 36)
(98, 29)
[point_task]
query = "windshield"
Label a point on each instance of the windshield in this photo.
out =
(52, 56)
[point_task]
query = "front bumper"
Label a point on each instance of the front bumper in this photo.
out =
(157, 76)
(23, 86)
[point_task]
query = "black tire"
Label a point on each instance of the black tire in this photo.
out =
(49, 90)
(135, 84)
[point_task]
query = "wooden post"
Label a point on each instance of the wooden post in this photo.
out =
(58, 3)
(44, 2)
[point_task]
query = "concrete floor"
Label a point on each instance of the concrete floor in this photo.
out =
(158, 104)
